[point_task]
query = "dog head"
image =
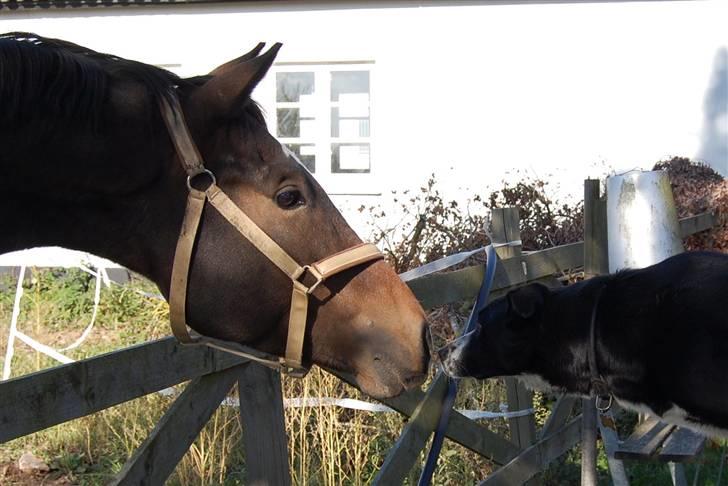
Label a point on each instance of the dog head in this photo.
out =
(505, 340)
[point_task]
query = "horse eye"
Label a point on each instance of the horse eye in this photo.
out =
(289, 199)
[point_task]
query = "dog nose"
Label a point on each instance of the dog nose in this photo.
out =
(448, 365)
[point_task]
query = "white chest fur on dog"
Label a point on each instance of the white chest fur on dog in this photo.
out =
(537, 383)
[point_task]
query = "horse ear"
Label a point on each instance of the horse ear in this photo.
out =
(224, 68)
(223, 92)
(527, 301)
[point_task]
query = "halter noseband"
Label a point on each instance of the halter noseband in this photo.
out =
(192, 162)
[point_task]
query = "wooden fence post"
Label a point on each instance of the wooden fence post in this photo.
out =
(506, 236)
(596, 256)
(588, 442)
(595, 263)
(264, 430)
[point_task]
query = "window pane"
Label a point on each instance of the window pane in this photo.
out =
(350, 157)
(348, 127)
(306, 153)
(289, 122)
(349, 82)
(290, 86)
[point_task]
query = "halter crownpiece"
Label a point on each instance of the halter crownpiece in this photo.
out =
(191, 160)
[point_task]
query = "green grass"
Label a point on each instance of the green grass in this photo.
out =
(327, 446)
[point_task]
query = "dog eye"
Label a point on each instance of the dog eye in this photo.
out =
(289, 199)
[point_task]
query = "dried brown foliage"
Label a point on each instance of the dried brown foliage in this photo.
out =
(698, 188)
(431, 227)
(428, 227)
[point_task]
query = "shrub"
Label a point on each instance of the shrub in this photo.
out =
(698, 188)
(429, 226)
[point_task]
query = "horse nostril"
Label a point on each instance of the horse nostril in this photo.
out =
(414, 380)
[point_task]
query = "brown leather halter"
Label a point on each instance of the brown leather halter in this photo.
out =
(191, 160)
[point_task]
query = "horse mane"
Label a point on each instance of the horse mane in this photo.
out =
(53, 89)
(51, 80)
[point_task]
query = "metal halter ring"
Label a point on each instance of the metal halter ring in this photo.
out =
(600, 403)
(213, 180)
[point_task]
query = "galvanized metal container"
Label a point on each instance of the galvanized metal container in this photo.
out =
(642, 222)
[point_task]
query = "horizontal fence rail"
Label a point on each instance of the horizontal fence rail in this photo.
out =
(458, 285)
(39, 400)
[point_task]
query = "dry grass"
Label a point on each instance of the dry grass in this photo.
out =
(327, 445)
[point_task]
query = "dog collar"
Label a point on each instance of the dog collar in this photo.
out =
(599, 387)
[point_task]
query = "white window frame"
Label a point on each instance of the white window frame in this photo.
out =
(335, 183)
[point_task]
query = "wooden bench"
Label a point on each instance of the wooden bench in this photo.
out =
(655, 440)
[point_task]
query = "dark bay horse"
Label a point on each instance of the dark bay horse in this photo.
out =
(86, 162)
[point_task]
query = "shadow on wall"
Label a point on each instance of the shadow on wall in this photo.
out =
(714, 144)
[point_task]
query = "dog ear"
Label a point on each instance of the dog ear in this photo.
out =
(527, 301)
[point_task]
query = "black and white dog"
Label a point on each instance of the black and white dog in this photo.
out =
(659, 340)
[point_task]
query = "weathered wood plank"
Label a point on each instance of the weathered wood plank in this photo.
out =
(264, 430)
(644, 440)
(523, 429)
(506, 234)
(460, 429)
(506, 238)
(560, 413)
(596, 262)
(159, 454)
(403, 455)
(50, 397)
(697, 223)
(596, 258)
(445, 288)
(681, 446)
(588, 443)
(537, 457)
(610, 439)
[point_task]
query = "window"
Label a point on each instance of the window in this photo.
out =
(323, 114)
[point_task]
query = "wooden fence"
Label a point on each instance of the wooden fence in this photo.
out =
(39, 400)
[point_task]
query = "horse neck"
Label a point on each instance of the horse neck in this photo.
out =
(90, 191)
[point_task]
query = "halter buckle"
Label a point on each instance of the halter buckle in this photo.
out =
(313, 272)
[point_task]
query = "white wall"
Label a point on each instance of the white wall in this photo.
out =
(473, 93)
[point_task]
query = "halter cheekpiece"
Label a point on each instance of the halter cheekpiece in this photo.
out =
(191, 160)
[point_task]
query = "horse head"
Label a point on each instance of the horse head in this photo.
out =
(364, 320)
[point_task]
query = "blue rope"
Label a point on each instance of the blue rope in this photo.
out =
(452, 383)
